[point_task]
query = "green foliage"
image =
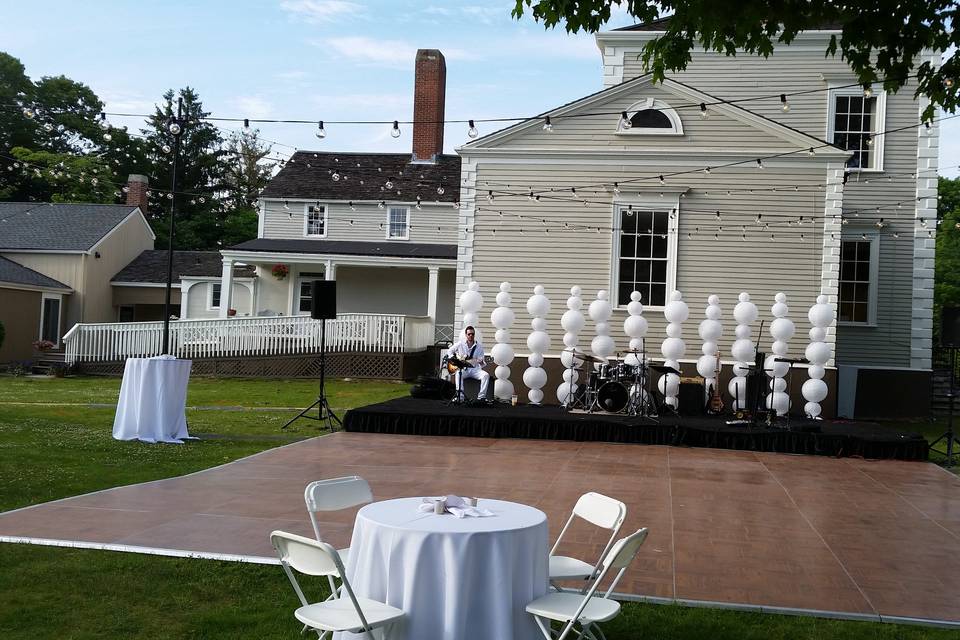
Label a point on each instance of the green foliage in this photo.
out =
(65, 177)
(882, 41)
(946, 288)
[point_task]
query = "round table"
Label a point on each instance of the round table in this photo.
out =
(455, 578)
(153, 396)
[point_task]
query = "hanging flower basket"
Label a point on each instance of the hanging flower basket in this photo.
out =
(280, 271)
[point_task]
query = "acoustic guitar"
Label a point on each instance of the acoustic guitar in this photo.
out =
(454, 364)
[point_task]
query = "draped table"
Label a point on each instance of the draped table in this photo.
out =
(153, 398)
(455, 578)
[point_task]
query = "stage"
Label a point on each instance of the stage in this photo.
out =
(415, 416)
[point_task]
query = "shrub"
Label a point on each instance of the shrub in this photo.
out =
(20, 367)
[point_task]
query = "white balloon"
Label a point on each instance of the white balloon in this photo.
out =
(505, 286)
(568, 359)
(713, 312)
(711, 329)
(603, 294)
(673, 348)
(502, 373)
(575, 291)
(602, 346)
(671, 401)
(672, 363)
(502, 335)
(812, 409)
(471, 319)
(504, 299)
(742, 332)
(779, 402)
(600, 310)
(669, 384)
(471, 301)
(635, 326)
(603, 329)
(818, 353)
(538, 341)
(743, 297)
(570, 339)
(570, 375)
(676, 311)
(535, 396)
(743, 350)
(816, 371)
(779, 310)
(534, 377)
(636, 343)
(574, 303)
(566, 392)
(780, 297)
(572, 320)
(502, 353)
(737, 388)
(782, 329)
(709, 348)
(535, 359)
(707, 366)
(635, 307)
(474, 286)
(745, 312)
(775, 369)
(821, 315)
(538, 305)
(814, 390)
(538, 324)
(778, 384)
(741, 369)
(674, 330)
(780, 348)
(502, 317)
(713, 300)
(503, 389)
(818, 334)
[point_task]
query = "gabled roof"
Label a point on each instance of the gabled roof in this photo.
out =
(15, 273)
(799, 138)
(351, 248)
(363, 176)
(151, 266)
(44, 226)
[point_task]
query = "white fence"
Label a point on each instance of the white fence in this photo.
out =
(228, 337)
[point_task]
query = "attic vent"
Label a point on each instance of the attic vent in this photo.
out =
(651, 117)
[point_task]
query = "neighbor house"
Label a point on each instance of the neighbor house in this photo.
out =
(711, 182)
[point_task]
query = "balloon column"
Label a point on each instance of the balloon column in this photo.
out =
(710, 331)
(635, 326)
(676, 312)
(743, 350)
(572, 322)
(538, 342)
(501, 318)
(600, 311)
(814, 390)
(781, 330)
(470, 303)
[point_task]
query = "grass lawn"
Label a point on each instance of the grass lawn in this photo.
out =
(53, 444)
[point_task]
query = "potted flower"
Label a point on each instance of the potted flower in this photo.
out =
(231, 312)
(43, 345)
(280, 271)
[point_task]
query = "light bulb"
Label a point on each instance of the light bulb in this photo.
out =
(321, 133)
(103, 121)
(706, 170)
(625, 121)
(616, 189)
(759, 163)
(165, 148)
(286, 205)
(388, 184)
(867, 91)
(246, 124)
(810, 151)
(395, 132)
(107, 137)
(662, 181)
(547, 125)
(784, 105)
(868, 139)
(490, 196)
(381, 205)
(472, 131)
(418, 205)
(353, 207)
(335, 176)
(703, 110)
(28, 113)
(174, 128)
(440, 190)
(48, 127)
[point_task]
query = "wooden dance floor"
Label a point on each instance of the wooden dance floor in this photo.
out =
(871, 539)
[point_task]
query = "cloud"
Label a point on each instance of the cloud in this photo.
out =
(395, 54)
(321, 11)
(126, 101)
(255, 107)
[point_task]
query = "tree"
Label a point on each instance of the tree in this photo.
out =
(246, 171)
(881, 40)
(66, 177)
(946, 288)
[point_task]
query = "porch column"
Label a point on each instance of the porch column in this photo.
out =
(330, 270)
(432, 288)
(226, 287)
(184, 292)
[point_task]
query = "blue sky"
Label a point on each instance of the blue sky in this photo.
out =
(315, 59)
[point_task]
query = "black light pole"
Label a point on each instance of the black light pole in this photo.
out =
(175, 126)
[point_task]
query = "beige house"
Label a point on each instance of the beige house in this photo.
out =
(31, 306)
(696, 185)
(76, 248)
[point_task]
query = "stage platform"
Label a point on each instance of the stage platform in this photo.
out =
(416, 416)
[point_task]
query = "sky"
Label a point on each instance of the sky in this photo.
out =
(316, 59)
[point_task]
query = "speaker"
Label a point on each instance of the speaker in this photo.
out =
(691, 399)
(950, 326)
(323, 299)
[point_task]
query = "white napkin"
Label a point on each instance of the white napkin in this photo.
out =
(457, 506)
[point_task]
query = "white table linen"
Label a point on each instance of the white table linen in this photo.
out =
(153, 398)
(455, 578)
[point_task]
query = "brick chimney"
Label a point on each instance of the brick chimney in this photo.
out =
(429, 94)
(137, 186)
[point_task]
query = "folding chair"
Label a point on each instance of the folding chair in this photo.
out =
(351, 614)
(600, 511)
(586, 609)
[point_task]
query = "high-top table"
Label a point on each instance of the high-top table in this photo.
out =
(153, 398)
(456, 579)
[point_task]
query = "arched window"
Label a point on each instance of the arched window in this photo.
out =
(651, 117)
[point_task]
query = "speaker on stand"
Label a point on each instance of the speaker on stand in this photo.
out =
(949, 339)
(323, 307)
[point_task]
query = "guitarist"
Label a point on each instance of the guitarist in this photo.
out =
(470, 351)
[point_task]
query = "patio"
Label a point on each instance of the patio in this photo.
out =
(847, 537)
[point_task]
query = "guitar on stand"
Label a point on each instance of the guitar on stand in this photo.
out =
(715, 404)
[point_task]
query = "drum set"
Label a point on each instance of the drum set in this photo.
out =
(617, 385)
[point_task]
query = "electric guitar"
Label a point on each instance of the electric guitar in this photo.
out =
(716, 400)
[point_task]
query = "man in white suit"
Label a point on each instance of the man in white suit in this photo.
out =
(470, 351)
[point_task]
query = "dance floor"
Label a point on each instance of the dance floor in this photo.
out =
(872, 539)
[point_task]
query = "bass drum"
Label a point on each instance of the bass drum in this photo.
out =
(613, 397)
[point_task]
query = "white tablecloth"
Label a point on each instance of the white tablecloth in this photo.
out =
(153, 396)
(456, 579)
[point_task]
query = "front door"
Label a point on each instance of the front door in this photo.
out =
(50, 320)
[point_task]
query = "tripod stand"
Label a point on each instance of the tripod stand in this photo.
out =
(324, 413)
(949, 437)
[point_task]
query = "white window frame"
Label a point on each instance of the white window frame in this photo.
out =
(43, 309)
(306, 219)
(873, 237)
(658, 105)
(121, 307)
(301, 278)
(210, 306)
(879, 122)
(669, 201)
(406, 235)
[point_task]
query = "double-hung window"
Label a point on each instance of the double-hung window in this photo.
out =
(315, 220)
(644, 247)
(305, 291)
(398, 223)
(213, 301)
(858, 279)
(855, 121)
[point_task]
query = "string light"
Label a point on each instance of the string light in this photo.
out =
(662, 181)
(811, 152)
(867, 90)
(321, 132)
(472, 131)
(868, 139)
(625, 121)
(440, 190)
(547, 125)
(490, 196)
(616, 189)
(352, 206)
(246, 125)
(381, 205)
(395, 132)
(703, 110)
(759, 163)
(784, 105)
(706, 170)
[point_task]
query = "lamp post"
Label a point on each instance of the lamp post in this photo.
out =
(175, 127)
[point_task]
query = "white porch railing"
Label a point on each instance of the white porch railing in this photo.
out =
(219, 337)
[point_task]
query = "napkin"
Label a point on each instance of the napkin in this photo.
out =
(457, 506)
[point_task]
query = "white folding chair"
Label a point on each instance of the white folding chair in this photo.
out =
(352, 614)
(600, 511)
(333, 495)
(586, 609)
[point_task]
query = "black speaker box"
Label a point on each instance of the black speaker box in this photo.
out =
(691, 399)
(323, 299)
(950, 326)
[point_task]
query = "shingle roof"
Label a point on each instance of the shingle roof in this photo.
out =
(660, 24)
(363, 176)
(16, 273)
(57, 227)
(151, 266)
(352, 248)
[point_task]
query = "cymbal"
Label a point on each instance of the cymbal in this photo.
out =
(580, 355)
(633, 351)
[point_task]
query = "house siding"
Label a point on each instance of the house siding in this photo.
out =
(62, 267)
(198, 295)
(398, 290)
(20, 315)
(118, 249)
(280, 223)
